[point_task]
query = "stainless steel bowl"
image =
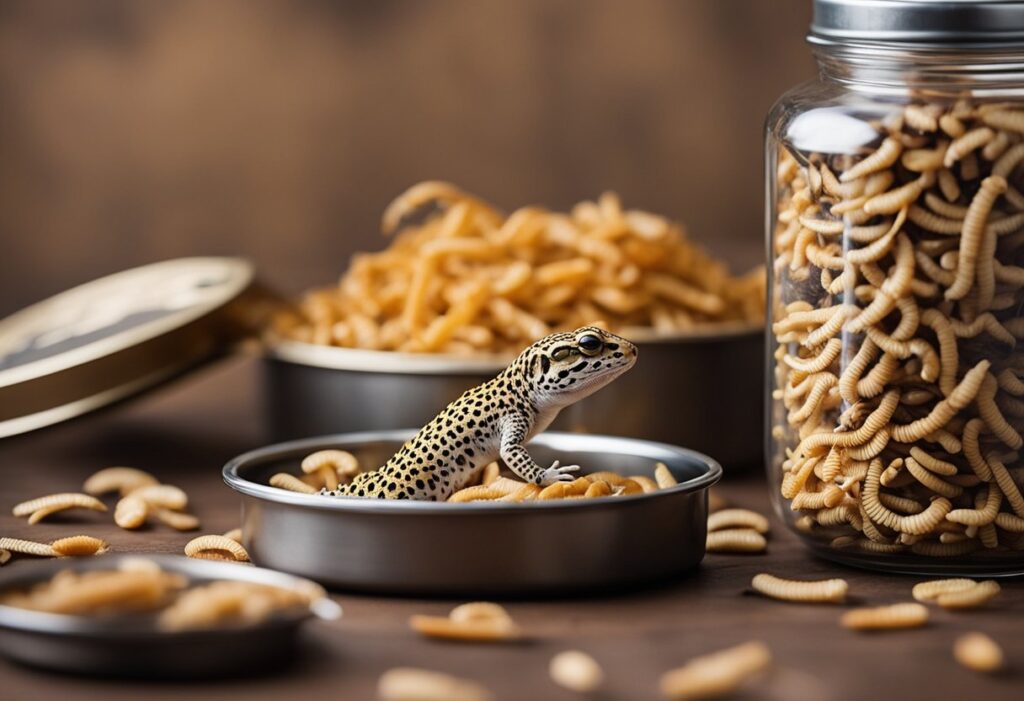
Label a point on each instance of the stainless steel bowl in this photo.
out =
(498, 549)
(701, 389)
(133, 646)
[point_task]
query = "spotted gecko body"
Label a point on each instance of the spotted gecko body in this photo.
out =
(496, 419)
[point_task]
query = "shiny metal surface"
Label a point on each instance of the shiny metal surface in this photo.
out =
(477, 549)
(699, 390)
(915, 21)
(133, 646)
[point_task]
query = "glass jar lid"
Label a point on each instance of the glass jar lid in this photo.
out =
(919, 22)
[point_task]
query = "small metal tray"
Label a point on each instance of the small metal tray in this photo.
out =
(132, 646)
(496, 549)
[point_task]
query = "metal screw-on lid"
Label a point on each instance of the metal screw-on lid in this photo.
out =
(919, 21)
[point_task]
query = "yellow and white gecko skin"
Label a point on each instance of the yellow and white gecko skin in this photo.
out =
(497, 419)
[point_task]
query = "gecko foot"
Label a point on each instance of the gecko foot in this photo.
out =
(557, 473)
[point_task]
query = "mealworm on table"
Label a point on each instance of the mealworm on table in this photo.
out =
(737, 518)
(216, 544)
(978, 652)
(37, 508)
(903, 615)
(177, 520)
(576, 671)
(166, 496)
(411, 684)
(473, 630)
(716, 674)
(971, 597)
(26, 547)
(736, 540)
(130, 512)
(117, 479)
(283, 480)
(79, 545)
(932, 589)
(820, 591)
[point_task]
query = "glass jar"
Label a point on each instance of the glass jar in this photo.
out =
(895, 226)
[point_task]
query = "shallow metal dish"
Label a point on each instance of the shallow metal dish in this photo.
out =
(132, 646)
(501, 549)
(702, 389)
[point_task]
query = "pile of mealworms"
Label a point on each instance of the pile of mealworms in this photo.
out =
(897, 296)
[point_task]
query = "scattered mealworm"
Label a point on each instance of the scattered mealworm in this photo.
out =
(576, 671)
(411, 684)
(123, 480)
(177, 520)
(737, 518)
(165, 496)
(216, 545)
(37, 509)
(716, 674)
(979, 652)
(931, 590)
(736, 540)
(904, 615)
(79, 545)
(130, 512)
(975, 596)
(27, 547)
(476, 621)
(820, 591)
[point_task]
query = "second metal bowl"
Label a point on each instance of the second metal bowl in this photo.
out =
(480, 548)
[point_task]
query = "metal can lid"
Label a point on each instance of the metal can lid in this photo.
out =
(117, 336)
(936, 22)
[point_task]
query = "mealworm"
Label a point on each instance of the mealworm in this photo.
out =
(330, 464)
(283, 480)
(737, 518)
(1005, 119)
(895, 200)
(921, 117)
(1007, 484)
(903, 615)
(474, 630)
(972, 597)
(411, 684)
(820, 591)
(931, 590)
(485, 493)
(490, 473)
(218, 544)
(967, 143)
(79, 545)
(166, 496)
(979, 516)
(948, 185)
(944, 208)
(716, 674)
(576, 671)
(120, 479)
(951, 125)
(735, 540)
(5, 556)
(931, 481)
(234, 534)
(993, 417)
(37, 508)
(1010, 522)
(664, 476)
(949, 356)
(933, 222)
(886, 154)
(916, 524)
(961, 396)
(177, 520)
(972, 232)
(978, 652)
(130, 512)
(27, 547)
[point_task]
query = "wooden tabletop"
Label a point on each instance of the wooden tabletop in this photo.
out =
(184, 434)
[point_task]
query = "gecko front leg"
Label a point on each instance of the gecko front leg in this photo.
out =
(515, 455)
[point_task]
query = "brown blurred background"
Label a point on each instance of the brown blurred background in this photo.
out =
(137, 130)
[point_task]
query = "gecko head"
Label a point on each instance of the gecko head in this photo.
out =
(566, 367)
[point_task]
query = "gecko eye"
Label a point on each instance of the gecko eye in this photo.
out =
(590, 344)
(561, 354)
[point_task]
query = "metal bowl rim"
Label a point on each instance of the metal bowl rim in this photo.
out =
(712, 473)
(40, 622)
(363, 360)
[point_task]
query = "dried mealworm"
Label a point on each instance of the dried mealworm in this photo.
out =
(130, 512)
(411, 684)
(821, 591)
(664, 476)
(117, 479)
(973, 597)
(737, 518)
(79, 545)
(972, 234)
(716, 674)
(576, 671)
(27, 547)
(736, 540)
(978, 652)
(36, 509)
(904, 615)
(217, 544)
(932, 589)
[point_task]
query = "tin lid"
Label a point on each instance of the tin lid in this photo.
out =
(936, 22)
(117, 336)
